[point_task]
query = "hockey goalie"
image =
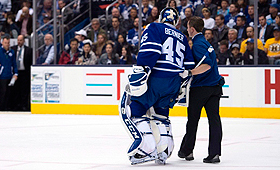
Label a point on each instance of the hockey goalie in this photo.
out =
(153, 88)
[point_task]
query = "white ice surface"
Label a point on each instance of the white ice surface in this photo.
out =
(83, 142)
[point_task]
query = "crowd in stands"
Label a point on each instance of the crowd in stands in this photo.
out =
(228, 27)
(229, 20)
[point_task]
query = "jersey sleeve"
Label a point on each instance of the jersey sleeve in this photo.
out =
(150, 47)
(201, 50)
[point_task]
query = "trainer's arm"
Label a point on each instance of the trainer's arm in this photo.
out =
(200, 69)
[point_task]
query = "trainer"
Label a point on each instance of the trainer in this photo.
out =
(205, 91)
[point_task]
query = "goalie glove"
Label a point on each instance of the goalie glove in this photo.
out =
(138, 80)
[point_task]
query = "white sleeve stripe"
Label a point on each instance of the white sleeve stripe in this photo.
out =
(189, 63)
(151, 43)
(150, 50)
(168, 62)
(169, 70)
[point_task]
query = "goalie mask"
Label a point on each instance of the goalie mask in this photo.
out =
(169, 15)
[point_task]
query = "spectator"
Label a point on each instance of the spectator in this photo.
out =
(249, 54)
(230, 19)
(127, 57)
(273, 1)
(68, 13)
(87, 56)
(195, 3)
(70, 56)
(209, 23)
(25, 22)
(272, 45)
(172, 4)
(236, 55)
(263, 7)
(48, 29)
(181, 9)
(115, 14)
(5, 7)
(250, 16)
(210, 38)
(80, 35)
(273, 12)
(277, 21)
(184, 22)
(132, 36)
(99, 46)
(115, 30)
(146, 10)
(250, 34)
(8, 72)
(23, 56)
(223, 55)
(190, 42)
(241, 27)
(224, 10)
(110, 57)
(46, 10)
(160, 4)
(95, 30)
(207, 4)
(242, 7)
(153, 17)
(25, 3)
(265, 31)
(126, 7)
(129, 23)
(232, 37)
(220, 30)
(120, 43)
(47, 55)
(10, 28)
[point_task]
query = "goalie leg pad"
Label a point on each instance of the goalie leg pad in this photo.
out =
(139, 130)
(163, 134)
(148, 140)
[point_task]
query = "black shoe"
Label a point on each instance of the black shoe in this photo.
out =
(187, 157)
(212, 159)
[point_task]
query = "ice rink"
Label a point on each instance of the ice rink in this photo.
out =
(83, 142)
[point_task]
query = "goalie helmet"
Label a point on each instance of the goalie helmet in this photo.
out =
(169, 15)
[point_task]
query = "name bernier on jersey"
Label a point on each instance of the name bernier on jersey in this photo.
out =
(174, 33)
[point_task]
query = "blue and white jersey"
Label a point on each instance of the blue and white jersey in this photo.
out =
(165, 50)
(5, 6)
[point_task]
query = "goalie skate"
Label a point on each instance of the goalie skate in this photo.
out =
(138, 159)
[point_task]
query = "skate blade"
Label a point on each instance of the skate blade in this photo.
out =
(140, 161)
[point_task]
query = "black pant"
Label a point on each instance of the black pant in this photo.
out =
(21, 92)
(4, 94)
(209, 98)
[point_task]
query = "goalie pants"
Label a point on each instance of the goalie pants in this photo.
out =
(209, 98)
(161, 94)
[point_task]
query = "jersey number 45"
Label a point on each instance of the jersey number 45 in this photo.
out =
(167, 48)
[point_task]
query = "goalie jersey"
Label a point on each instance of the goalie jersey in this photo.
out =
(165, 50)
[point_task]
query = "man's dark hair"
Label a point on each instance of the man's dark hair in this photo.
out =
(243, 18)
(224, 42)
(6, 36)
(208, 30)
(74, 39)
(226, 1)
(197, 23)
(262, 15)
(250, 27)
(116, 18)
(222, 17)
